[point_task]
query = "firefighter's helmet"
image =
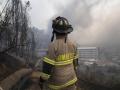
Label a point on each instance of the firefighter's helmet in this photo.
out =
(61, 25)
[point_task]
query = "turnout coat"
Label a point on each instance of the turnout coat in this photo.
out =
(59, 65)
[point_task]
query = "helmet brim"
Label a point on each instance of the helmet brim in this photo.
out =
(69, 30)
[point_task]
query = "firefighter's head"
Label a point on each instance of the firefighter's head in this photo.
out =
(61, 26)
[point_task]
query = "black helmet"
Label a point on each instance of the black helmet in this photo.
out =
(61, 25)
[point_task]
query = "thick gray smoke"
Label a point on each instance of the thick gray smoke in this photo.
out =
(95, 22)
(1, 2)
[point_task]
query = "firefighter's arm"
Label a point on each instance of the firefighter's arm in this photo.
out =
(46, 71)
(75, 62)
(47, 66)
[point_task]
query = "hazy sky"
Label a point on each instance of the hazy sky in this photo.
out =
(1, 4)
(94, 21)
(43, 10)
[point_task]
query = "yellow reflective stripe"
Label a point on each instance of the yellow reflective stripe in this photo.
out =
(47, 60)
(61, 59)
(64, 85)
(65, 57)
(44, 75)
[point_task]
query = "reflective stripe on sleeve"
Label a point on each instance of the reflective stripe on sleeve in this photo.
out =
(44, 75)
(56, 87)
(50, 61)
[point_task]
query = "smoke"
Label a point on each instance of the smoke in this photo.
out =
(1, 2)
(95, 22)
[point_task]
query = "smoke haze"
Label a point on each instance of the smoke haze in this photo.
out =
(95, 22)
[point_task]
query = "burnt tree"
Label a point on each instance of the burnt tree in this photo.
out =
(14, 29)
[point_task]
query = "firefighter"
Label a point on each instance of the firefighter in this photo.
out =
(61, 59)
